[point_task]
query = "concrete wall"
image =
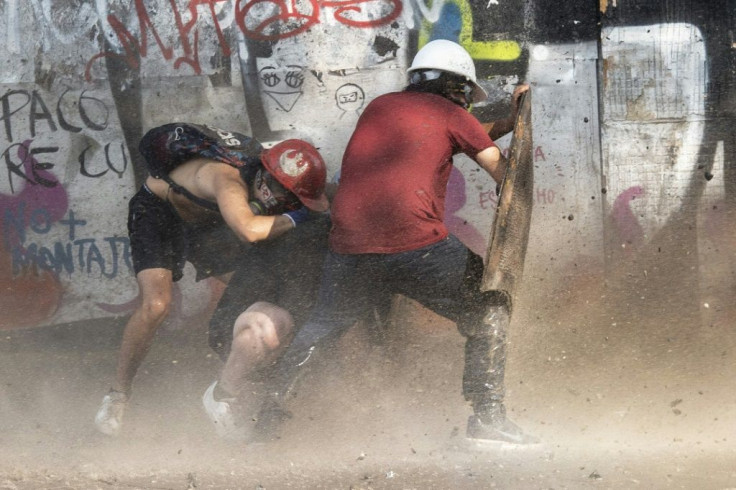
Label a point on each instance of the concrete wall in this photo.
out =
(632, 117)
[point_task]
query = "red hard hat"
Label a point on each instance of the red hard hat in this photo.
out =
(299, 167)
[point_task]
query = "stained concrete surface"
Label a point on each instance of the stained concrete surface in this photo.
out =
(619, 397)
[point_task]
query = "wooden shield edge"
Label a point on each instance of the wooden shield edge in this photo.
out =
(513, 209)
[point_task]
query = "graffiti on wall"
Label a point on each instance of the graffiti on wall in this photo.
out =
(182, 35)
(350, 99)
(658, 111)
(30, 294)
(283, 84)
(260, 20)
(104, 257)
(75, 103)
(27, 112)
(266, 20)
(51, 146)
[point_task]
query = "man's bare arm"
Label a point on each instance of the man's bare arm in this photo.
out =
(223, 183)
(492, 161)
(502, 127)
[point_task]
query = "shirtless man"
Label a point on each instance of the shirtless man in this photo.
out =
(204, 211)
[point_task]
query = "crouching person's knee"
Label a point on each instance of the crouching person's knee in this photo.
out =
(262, 330)
(155, 310)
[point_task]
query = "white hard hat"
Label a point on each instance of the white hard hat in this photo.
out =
(448, 56)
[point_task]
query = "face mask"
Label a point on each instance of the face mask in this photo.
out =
(461, 92)
(275, 198)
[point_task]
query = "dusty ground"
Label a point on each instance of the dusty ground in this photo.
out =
(623, 400)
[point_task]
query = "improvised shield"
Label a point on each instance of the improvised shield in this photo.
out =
(510, 230)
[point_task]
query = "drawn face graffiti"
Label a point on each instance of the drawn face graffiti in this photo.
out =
(350, 97)
(283, 84)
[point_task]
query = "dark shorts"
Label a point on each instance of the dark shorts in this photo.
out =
(284, 271)
(159, 239)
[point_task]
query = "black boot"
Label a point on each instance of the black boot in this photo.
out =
(489, 423)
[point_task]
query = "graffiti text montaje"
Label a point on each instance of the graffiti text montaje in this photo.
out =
(60, 256)
(108, 255)
(91, 113)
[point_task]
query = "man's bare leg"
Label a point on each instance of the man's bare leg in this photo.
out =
(260, 334)
(155, 291)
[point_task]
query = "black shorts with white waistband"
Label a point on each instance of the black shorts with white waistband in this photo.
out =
(159, 239)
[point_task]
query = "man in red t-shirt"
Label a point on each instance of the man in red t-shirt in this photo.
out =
(395, 169)
(388, 235)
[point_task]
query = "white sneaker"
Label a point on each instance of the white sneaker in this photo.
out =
(502, 431)
(220, 413)
(109, 418)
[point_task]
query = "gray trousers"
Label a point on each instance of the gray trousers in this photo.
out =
(444, 277)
